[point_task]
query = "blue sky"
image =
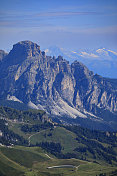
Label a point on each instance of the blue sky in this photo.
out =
(72, 24)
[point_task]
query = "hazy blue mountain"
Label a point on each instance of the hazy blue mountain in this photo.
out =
(101, 61)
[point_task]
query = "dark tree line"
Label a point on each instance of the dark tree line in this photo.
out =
(36, 128)
(9, 137)
(109, 138)
(54, 148)
(93, 140)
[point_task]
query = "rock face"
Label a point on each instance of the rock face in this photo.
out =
(2, 55)
(21, 51)
(52, 84)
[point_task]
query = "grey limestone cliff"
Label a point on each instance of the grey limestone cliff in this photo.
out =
(52, 84)
(3, 54)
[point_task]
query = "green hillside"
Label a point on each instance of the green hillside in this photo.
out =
(33, 144)
(32, 161)
(58, 134)
(78, 145)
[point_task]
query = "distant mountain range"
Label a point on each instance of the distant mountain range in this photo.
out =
(69, 93)
(101, 61)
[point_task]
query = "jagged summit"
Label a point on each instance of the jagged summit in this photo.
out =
(22, 50)
(81, 70)
(101, 60)
(52, 84)
(28, 46)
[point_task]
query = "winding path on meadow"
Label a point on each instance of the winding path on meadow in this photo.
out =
(34, 135)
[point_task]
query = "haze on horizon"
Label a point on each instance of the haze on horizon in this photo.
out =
(69, 24)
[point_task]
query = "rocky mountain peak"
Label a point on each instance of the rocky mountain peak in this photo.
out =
(81, 70)
(22, 50)
(27, 47)
(52, 84)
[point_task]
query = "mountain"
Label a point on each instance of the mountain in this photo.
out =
(68, 93)
(2, 55)
(101, 61)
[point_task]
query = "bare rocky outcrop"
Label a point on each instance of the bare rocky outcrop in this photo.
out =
(3, 54)
(52, 84)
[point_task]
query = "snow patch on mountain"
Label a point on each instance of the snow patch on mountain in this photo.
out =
(115, 53)
(89, 55)
(101, 61)
(102, 51)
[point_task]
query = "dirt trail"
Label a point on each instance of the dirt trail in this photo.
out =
(34, 135)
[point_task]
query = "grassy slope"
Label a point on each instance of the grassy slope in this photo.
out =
(22, 158)
(33, 161)
(66, 138)
(59, 134)
(16, 128)
(8, 167)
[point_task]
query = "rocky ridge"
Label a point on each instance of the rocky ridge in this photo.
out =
(52, 84)
(2, 55)
(102, 61)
